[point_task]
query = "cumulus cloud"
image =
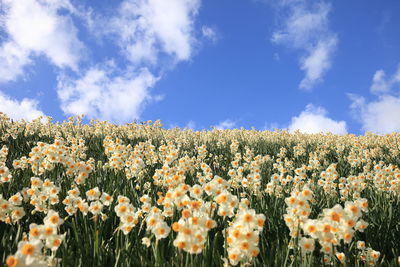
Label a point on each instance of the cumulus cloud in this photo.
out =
(26, 109)
(380, 115)
(306, 28)
(103, 93)
(314, 119)
(382, 84)
(147, 32)
(226, 124)
(12, 61)
(36, 28)
(303, 24)
(145, 28)
(317, 62)
(152, 36)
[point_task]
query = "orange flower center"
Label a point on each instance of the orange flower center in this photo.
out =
(34, 232)
(248, 218)
(28, 249)
(11, 261)
(54, 219)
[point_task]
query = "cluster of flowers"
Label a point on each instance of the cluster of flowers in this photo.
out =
(32, 251)
(352, 186)
(193, 227)
(216, 186)
(360, 154)
(116, 151)
(179, 199)
(195, 221)
(132, 160)
(252, 166)
(127, 214)
(80, 170)
(298, 210)
(243, 235)
(43, 157)
(284, 182)
(42, 194)
(201, 152)
(237, 171)
(286, 177)
(94, 203)
(168, 153)
(314, 161)
(337, 224)
(328, 180)
(156, 225)
(227, 203)
(299, 150)
(5, 175)
(205, 174)
(274, 187)
(368, 255)
(77, 149)
(333, 226)
(386, 178)
(172, 174)
(21, 163)
(11, 210)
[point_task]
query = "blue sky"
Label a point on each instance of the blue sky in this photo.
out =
(316, 66)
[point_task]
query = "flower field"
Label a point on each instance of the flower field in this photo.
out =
(100, 194)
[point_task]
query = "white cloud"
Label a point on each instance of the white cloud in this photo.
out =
(381, 84)
(317, 62)
(209, 33)
(36, 27)
(303, 24)
(102, 93)
(153, 35)
(226, 124)
(314, 120)
(147, 27)
(380, 115)
(26, 109)
(12, 61)
(146, 32)
(307, 29)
